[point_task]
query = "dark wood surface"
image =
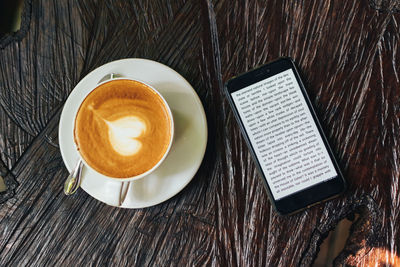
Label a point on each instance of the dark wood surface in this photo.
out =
(349, 55)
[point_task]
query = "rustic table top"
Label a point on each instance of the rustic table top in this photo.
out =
(349, 54)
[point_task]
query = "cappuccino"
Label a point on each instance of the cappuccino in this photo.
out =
(123, 128)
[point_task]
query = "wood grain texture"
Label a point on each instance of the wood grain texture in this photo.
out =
(40, 226)
(348, 54)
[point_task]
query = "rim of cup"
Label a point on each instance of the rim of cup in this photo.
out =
(139, 176)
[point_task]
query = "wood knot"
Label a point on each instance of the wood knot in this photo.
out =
(364, 232)
(10, 185)
(25, 23)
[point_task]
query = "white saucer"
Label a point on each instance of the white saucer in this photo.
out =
(186, 153)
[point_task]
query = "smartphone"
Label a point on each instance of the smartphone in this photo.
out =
(284, 136)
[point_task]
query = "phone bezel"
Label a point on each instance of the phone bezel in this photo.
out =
(309, 196)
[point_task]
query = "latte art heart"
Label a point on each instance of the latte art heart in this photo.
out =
(123, 134)
(123, 128)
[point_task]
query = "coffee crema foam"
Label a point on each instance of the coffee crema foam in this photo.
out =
(122, 128)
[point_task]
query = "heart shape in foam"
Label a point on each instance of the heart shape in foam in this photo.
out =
(123, 134)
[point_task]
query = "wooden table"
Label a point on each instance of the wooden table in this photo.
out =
(349, 54)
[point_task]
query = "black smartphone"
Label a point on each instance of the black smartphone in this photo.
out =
(284, 136)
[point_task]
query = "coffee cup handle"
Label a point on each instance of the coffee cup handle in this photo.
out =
(110, 77)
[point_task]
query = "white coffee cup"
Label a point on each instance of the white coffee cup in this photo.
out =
(139, 176)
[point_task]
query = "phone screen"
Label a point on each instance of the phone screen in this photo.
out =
(283, 134)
